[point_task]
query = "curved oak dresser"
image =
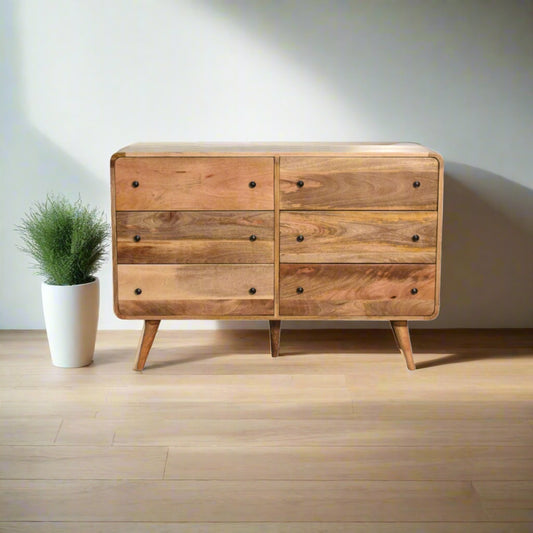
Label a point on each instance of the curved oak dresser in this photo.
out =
(307, 231)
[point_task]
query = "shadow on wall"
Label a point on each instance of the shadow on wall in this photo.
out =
(419, 70)
(487, 250)
(33, 166)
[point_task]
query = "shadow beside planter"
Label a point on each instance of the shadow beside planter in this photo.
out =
(71, 318)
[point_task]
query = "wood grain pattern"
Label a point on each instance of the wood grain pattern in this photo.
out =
(452, 463)
(195, 290)
(358, 236)
(357, 290)
(312, 408)
(359, 183)
(239, 501)
(82, 462)
(195, 237)
(286, 409)
(321, 433)
(194, 183)
(255, 391)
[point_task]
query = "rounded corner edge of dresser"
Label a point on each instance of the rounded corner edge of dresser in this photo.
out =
(115, 157)
(118, 312)
(435, 313)
(438, 157)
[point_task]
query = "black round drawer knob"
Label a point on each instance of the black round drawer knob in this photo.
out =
(253, 290)
(137, 238)
(415, 238)
(299, 290)
(300, 183)
(138, 291)
(414, 291)
(253, 238)
(416, 184)
(252, 184)
(300, 238)
(135, 184)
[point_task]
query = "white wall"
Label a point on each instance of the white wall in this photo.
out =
(80, 79)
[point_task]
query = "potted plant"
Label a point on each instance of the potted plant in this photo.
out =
(68, 242)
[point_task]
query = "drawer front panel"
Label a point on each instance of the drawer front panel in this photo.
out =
(195, 237)
(358, 236)
(194, 183)
(358, 291)
(395, 183)
(195, 290)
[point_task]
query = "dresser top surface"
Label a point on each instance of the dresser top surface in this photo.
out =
(405, 149)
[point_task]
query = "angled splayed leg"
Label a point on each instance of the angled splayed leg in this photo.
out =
(147, 339)
(400, 330)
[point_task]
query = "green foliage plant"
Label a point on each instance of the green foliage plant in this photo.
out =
(67, 240)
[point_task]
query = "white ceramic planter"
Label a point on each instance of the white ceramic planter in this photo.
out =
(71, 318)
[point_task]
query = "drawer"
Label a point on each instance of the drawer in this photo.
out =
(358, 291)
(194, 290)
(358, 236)
(395, 183)
(194, 183)
(195, 236)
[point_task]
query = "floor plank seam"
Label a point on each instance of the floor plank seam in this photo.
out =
(354, 412)
(166, 463)
(480, 500)
(58, 430)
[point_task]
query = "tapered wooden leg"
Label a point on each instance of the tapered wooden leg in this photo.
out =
(275, 334)
(400, 330)
(147, 339)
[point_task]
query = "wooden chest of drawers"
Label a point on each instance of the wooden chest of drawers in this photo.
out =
(340, 231)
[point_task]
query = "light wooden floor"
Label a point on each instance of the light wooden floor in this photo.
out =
(215, 436)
